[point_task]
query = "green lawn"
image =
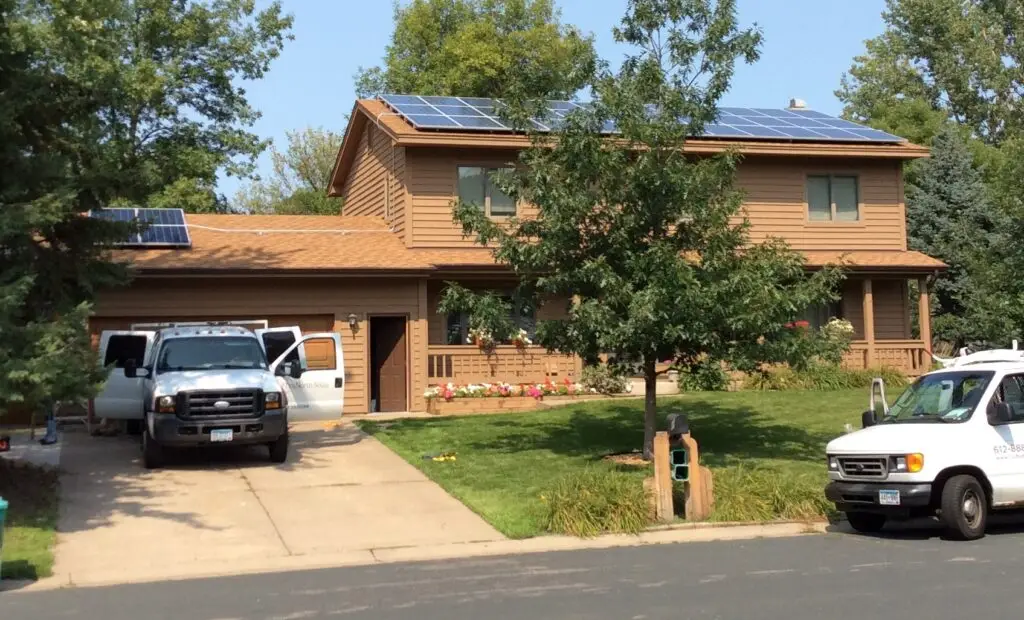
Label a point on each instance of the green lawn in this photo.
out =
(766, 450)
(31, 521)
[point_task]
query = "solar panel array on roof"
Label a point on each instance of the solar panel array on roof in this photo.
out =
(164, 227)
(481, 114)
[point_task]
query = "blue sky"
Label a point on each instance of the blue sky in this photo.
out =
(808, 44)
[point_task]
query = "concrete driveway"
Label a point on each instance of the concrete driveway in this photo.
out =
(340, 495)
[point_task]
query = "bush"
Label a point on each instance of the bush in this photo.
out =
(603, 378)
(595, 501)
(704, 376)
(755, 494)
(824, 377)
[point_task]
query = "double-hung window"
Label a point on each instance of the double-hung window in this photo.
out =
(476, 187)
(832, 198)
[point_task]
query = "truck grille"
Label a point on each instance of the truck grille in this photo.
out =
(864, 467)
(203, 404)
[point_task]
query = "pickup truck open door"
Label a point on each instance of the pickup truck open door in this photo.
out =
(121, 397)
(311, 371)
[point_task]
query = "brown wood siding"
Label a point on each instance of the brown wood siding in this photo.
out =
(775, 199)
(312, 304)
(398, 183)
(775, 203)
(377, 184)
(892, 309)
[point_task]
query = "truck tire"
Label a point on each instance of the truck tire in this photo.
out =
(279, 449)
(152, 452)
(866, 522)
(964, 507)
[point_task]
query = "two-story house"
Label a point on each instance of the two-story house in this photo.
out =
(376, 273)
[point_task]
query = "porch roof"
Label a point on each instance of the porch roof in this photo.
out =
(908, 261)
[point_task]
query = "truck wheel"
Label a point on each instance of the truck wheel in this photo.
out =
(279, 449)
(866, 522)
(152, 452)
(964, 507)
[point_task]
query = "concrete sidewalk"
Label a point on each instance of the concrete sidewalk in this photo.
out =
(340, 494)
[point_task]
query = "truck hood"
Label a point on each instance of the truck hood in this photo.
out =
(171, 383)
(896, 438)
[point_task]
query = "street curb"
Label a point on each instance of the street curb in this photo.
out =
(658, 535)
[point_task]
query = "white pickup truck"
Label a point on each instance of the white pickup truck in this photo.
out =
(951, 445)
(208, 384)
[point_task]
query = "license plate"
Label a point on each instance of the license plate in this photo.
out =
(889, 498)
(222, 434)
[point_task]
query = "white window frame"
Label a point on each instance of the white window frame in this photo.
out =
(488, 184)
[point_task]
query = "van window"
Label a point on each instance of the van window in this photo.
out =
(277, 343)
(122, 347)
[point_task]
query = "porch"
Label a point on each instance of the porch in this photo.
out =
(462, 364)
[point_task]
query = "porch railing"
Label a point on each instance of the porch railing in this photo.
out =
(910, 356)
(463, 364)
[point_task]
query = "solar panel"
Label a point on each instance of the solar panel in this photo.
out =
(163, 227)
(481, 114)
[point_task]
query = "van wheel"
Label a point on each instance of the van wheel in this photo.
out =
(964, 507)
(279, 449)
(152, 452)
(866, 522)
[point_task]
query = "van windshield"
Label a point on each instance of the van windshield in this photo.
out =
(209, 353)
(942, 397)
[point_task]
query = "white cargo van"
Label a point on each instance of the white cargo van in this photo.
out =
(209, 384)
(951, 445)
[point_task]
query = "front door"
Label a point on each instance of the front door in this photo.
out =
(388, 364)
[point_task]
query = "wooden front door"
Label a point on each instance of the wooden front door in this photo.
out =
(388, 363)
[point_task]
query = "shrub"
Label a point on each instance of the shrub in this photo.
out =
(595, 500)
(756, 494)
(603, 378)
(703, 376)
(823, 377)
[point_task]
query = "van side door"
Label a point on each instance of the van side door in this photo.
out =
(1005, 452)
(318, 393)
(121, 397)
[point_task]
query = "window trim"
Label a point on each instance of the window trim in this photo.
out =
(488, 168)
(517, 304)
(832, 221)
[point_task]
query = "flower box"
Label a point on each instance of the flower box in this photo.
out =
(469, 406)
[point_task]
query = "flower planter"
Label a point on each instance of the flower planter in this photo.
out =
(468, 406)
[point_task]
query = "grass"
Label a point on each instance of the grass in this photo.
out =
(766, 450)
(31, 520)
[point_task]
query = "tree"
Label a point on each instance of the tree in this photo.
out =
(164, 77)
(300, 178)
(648, 242)
(472, 47)
(950, 217)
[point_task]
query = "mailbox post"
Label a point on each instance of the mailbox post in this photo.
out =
(677, 459)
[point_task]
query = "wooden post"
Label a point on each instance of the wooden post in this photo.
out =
(924, 316)
(698, 504)
(663, 507)
(869, 322)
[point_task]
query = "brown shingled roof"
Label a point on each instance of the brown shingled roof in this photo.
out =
(282, 242)
(907, 260)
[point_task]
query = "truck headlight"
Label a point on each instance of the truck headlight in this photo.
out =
(165, 404)
(833, 463)
(908, 463)
(272, 400)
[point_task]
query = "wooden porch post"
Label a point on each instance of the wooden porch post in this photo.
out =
(869, 321)
(924, 315)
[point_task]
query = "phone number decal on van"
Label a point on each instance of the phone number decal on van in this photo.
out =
(1011, 450)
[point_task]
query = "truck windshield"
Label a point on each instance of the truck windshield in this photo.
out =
(942, 397)
(209, 353)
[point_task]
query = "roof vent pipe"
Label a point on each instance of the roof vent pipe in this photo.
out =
(797, 104)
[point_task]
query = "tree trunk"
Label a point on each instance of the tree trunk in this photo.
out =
(650, 407)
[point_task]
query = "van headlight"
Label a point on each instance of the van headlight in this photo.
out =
(907, 463)
(833, 463)
(165, 404)
(272, 400)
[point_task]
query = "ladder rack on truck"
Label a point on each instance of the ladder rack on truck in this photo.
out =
(248, 323)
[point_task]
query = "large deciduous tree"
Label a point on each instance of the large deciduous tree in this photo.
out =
(473, 47)
(299, 179)
(648, 241)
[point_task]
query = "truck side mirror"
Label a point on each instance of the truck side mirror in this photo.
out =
(868, 418)
(292, 369)
(999, 413)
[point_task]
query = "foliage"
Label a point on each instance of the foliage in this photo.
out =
(649, 243)
(822, 377)
(595, 501)
(744, 493)
(704, 375)
(472, 47)
(300, 178)
(31, 529)
(163, 79)
(950, 217)
(603, 379)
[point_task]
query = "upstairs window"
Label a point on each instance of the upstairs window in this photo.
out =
(476, 187)
(832, 198)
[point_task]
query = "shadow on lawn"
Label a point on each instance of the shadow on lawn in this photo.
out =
(725, 434)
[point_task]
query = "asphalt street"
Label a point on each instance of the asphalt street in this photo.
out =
(833, 576)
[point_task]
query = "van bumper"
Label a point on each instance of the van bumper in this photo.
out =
(170, 430)
(915, 498)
